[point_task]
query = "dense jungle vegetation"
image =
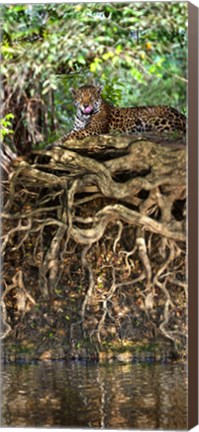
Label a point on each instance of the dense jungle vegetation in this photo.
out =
(94, 232)
(137, 51)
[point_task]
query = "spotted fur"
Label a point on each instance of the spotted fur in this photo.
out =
(95, 116)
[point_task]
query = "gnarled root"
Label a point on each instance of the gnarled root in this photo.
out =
(119, 204)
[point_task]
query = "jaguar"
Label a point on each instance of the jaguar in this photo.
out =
(95, 116)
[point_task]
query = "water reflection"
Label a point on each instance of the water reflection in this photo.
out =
(111, 396)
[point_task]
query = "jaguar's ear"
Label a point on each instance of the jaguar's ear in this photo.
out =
(100, 88)
(73, 91)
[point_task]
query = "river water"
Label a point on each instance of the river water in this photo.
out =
(118, 396)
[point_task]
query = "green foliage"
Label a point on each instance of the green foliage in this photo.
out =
(138, 51)
(6, 126)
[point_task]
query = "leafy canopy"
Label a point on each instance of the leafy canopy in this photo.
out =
(138, 51)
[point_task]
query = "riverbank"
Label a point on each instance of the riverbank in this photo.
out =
(45, 334)
(135, 353)
(94, 265)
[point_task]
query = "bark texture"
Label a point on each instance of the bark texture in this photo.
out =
(97, 229)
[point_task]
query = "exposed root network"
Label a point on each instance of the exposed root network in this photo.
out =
(101, 221)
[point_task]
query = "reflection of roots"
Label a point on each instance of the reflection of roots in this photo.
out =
(65, 201)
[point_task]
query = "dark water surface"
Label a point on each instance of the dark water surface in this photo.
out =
(89, 395)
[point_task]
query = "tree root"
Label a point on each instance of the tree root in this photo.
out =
(22, 296)
(81, 195)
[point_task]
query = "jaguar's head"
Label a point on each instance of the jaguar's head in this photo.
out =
(87, 99)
